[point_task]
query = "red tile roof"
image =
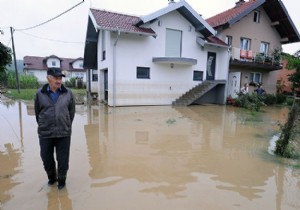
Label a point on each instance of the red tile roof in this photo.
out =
(275, 10)
(226, 16)
(39, 63)
(115, 21)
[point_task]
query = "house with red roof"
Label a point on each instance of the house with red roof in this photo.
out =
(255, 30)
(283, 83)
(171, 56)
(38, 66)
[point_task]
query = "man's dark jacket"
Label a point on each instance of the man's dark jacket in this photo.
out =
(54, 120)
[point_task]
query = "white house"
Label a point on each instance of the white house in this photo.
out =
(157, 58)
(38, 66)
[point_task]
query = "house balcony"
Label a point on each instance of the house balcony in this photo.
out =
(248, 58)
(175, 60)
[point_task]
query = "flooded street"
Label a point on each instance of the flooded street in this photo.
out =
(151, 158)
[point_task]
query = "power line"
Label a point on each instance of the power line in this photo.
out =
(1, 28)
(24, 29)
(53, 40)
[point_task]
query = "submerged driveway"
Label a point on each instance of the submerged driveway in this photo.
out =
(158, 157)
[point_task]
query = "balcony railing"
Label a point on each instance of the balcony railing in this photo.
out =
(240, 55)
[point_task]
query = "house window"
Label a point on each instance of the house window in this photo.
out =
(255, 77)
(228, 40)
(264, 48)
(53, 63)
(173, 43)
(103, 45)
(198, 76)
(256, 16)
(143, 72)
(94, 75)
(103, 55)
(81, 65)
(245, 44)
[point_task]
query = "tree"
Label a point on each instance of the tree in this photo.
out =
(5, 59)
(294, 63)
(283, 145)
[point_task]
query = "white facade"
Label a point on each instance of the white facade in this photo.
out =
(165, 83)
(53, 62)
(118, 84)
(78, 64)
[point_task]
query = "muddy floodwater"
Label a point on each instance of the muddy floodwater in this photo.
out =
(151, 158)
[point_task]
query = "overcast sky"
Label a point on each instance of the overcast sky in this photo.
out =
(65, 36)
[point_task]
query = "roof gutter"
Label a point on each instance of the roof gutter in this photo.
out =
(124, 31)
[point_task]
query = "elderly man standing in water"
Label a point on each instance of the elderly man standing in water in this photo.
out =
(54, 106)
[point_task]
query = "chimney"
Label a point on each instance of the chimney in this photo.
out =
(239, 3)
(171, 1)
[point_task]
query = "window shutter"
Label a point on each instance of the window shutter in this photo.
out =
(173, 43)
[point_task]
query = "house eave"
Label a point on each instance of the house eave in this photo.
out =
(217, 45)
(127, 32)
(186, 11)
(203, 43)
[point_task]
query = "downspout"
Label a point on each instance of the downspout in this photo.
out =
(114, 68)
(229, 49)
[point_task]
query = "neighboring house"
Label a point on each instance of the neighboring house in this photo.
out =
(256, 31)
(38, 66)
(157, 58)
(283, 83)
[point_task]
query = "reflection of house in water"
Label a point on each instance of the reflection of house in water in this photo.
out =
(168, 148)
(9, 164)
(148, 144)
(128, 147)
(94, 145)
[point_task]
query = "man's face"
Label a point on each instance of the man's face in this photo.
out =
(54, 82)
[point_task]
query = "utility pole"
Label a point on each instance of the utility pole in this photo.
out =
(15, 61)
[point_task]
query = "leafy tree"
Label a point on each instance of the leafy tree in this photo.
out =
(284, 146)
(294, 63)
(5, 59)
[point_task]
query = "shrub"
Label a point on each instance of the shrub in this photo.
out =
(268, 99)
(71, 82)
(28, 82)
(289, 101)
(25, 81)
(250, 101)
(281, 98)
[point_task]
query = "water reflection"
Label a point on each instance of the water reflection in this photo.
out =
(152, 158)
(9, 164)
(172, 147)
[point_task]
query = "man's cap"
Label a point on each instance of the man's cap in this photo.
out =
(56, 72)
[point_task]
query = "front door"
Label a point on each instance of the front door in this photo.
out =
(211, 65)
(234, 79)
(105, 85)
